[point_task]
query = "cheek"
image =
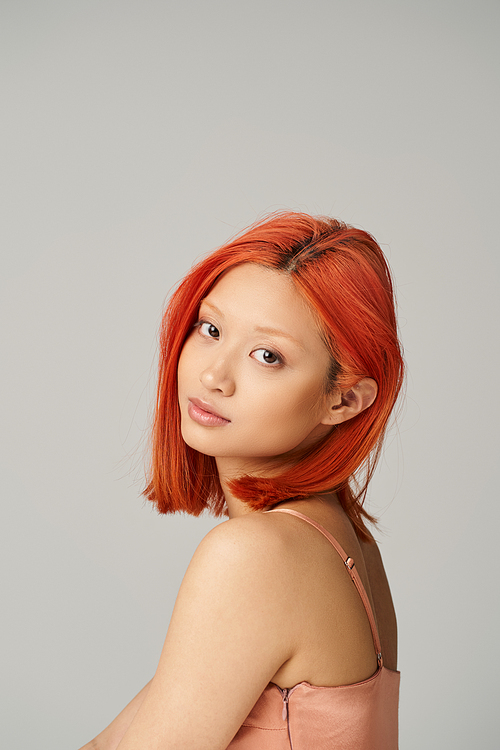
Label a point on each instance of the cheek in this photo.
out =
(292, 412)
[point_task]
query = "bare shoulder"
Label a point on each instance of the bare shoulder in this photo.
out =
(225, 637)
(253, 545)
(249, 528)
(237, 573)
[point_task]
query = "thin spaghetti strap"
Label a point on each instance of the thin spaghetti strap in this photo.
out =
(349, 563)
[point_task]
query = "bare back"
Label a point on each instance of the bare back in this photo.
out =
(270, 593)
(330, 628)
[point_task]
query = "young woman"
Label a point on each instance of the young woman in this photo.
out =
(279, 368)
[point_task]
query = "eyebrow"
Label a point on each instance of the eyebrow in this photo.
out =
(278, 332)
(260, 329)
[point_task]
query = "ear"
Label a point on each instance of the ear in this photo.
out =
(344, 405)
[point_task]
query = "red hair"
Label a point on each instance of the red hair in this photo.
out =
(343, 274)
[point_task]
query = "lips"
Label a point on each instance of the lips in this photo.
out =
(204, 414)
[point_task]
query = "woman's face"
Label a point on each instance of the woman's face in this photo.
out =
(252, 372)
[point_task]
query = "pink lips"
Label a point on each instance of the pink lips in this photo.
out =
(204, 414)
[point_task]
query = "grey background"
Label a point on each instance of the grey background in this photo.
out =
(137, 136)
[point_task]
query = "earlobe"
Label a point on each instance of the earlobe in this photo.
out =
(347, 404)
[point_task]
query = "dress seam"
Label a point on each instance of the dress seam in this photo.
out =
(266, 729)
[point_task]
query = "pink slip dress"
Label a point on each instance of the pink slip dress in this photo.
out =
(362, 716)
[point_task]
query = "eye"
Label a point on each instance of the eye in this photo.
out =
(267, 357)
(209, 330)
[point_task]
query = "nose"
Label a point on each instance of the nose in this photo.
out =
(218, 377)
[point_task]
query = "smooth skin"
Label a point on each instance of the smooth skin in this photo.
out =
(265, 598)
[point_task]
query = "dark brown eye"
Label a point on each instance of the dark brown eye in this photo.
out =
(267, 357)
(208, 329)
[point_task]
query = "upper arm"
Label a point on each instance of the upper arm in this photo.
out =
(224, 643)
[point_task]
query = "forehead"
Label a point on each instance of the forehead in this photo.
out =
(260, 297)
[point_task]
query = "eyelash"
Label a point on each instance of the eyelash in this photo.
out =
(278, 356)
(270, 364)
(202, 323)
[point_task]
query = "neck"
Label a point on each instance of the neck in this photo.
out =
(236, 508)
(227, 472)
(232, 468)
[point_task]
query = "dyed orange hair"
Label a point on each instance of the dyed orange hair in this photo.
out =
(342, 273)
